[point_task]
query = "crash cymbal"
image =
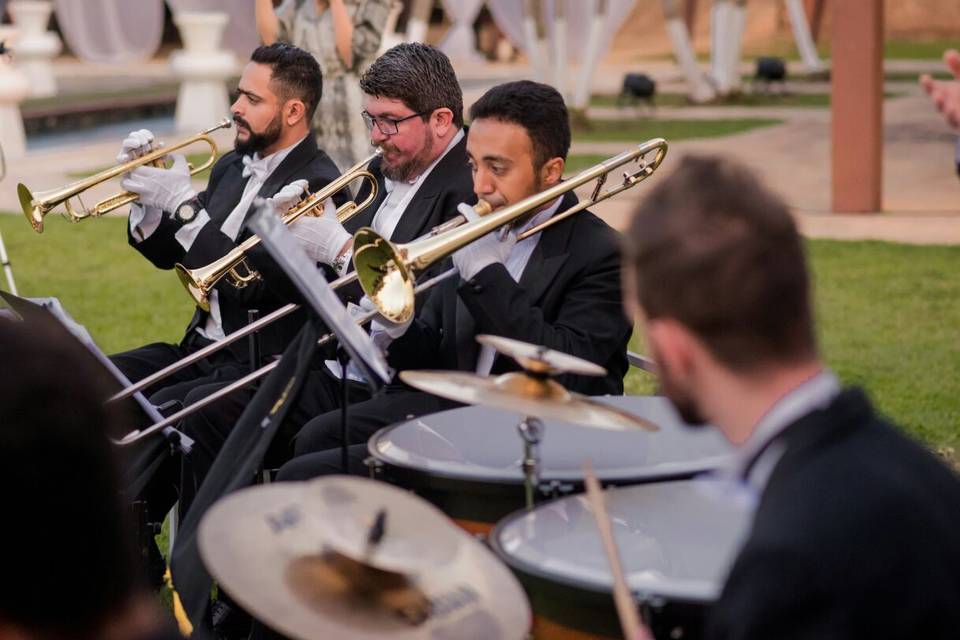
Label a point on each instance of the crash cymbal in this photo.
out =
(526, 394)
(541, 360)
(347, 557)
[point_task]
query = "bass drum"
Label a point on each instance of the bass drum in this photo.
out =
(467, 461)
(677, 541)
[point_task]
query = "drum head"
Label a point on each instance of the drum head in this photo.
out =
(480, 444)
(676, 539)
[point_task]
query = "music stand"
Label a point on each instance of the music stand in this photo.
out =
(28, 308)
(356, 345)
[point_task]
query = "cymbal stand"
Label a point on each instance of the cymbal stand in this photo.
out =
(531, 432)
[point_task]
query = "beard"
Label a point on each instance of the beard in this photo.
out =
(257, 142)
(682, 401)
(405, 169)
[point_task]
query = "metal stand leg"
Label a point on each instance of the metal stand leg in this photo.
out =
(531, 431)
(254, 340)
(7, 269)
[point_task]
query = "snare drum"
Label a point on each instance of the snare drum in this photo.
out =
(467, 461)
(677, 541)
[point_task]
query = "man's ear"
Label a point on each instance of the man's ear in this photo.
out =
(552, 171)
(674, 344)
(441, 120)
(294, 112)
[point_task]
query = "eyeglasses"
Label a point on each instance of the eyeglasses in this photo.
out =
(387, 126)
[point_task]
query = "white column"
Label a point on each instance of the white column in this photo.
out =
(697, 88)
(14, 88)
(203, 68)
(36, 47)
(801, 33)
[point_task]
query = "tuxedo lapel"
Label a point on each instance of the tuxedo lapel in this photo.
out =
(299, 156)
(467, 346)
(228, 192)
(549, 255)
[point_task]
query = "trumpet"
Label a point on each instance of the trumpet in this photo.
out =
(36, 205)
(199, 282)
(387, 271)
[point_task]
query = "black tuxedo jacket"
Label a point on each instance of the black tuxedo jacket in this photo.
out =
(435, 202)
(568, 299)
(857, 535)
(224, 190)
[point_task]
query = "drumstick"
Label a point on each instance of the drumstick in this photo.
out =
(633, 629)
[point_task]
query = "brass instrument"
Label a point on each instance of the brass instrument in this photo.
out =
(253, 376)
(387, 271)
(200, 281)
(37, 205)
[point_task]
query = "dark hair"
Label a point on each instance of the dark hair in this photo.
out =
(294, 72)
(70, 561)
(420, 76)
(536, 107)
(714, 249)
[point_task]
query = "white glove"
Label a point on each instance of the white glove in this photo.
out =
(165, 189)
(283, 200)
(481, 253)
(381, 325)
(323, 237)
(137, 144)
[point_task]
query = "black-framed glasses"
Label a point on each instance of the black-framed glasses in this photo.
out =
(387, 126)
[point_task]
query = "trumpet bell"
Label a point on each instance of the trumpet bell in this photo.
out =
(384, 275)
(33, 213)
(191, 283)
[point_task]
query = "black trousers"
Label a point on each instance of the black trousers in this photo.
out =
(209, 427)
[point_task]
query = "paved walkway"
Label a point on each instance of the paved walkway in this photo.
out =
(921, 190)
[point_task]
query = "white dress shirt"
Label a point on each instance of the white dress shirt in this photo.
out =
(385, 221)
(145, 220)
(755, 460)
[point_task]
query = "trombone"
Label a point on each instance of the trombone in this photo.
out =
(598, 172)
(199, 282)
(362, 319)
(36, 205)
(387, 271)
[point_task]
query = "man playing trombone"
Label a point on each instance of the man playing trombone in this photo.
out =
(559, 288)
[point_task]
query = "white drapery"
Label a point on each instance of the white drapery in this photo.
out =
(460, 43)
(128, 30)
(111, 30)
(508, 14)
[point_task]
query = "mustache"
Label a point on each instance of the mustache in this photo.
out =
(240, 121)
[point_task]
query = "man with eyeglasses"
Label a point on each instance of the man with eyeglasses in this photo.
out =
(414, 110)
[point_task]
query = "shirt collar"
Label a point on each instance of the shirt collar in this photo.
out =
(541, 217)
(813, 394)
(390, 184)
(262, 167)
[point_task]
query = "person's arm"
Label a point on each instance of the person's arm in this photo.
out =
(342, 32)
(946, 93)
(268, 26)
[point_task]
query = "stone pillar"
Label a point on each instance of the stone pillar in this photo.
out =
(36, 47)
(14, 88)
(857, 113)
(203, 68)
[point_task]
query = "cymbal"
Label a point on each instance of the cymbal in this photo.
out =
(541, 360)
(526, 394)
(348, 557)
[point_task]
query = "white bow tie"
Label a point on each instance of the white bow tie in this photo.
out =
(256, 168)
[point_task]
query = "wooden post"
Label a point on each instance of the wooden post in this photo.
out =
(857, 111)
(690, 15)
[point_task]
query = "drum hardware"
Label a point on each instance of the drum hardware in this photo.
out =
(199, 282)
(387, 271)
(36, 205)
(374, 467)
(348, 557)
(531, 431)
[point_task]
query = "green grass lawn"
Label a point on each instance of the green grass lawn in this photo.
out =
(888, 313)
(617, 130)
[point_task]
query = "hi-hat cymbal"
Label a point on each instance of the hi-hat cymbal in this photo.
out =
(541, 360)
(525, 394)
(299, 557)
